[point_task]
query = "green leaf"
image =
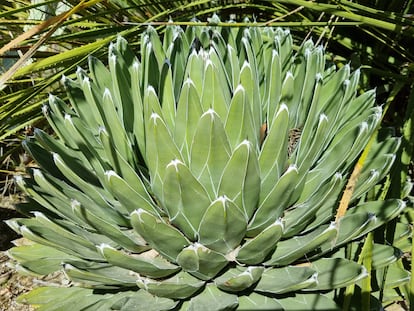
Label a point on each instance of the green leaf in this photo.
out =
(233, 66)
(161, 150)
(70, 297)
(210, 151)
(145, 301)
(363, 218)
(273, 87)
(180, 286)
(272, 205)
(164, 238)
(195, 69)
(105, 277)
(120, 60)
(273, 155)
(336, 273)
(294, 278)
(306, 158)
(213, 299)
(184, 199)
(255, 250)
(314, 302)
(384, 255)
(46, 232)
(290, 250)
(105, 227)
(258, 302)
(201, 262)
(189, 111)
(130, 198)
(223, 226)
(305, 214)
(139, 125)
(240, 181)
(154, 267)
(41, 259)
(84, 98)
(215, 95)
(239, 124)
(248, 81)
(239, 279)
(115, 127)
(177, 53)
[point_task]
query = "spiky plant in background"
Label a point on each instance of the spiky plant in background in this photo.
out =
(205, 176)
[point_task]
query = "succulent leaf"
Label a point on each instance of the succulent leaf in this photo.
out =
(223, 226)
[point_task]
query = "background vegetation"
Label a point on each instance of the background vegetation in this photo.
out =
(42, 40)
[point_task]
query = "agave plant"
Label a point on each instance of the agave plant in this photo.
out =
(203, 176)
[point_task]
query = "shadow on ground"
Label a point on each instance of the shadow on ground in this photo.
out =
(7, 235)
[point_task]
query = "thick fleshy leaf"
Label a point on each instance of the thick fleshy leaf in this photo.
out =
(223, 226)
(384, 255)
(363, 218)
(43, 231)
(255, 250)
(314, 302)
(166, 94)
(189, 111)
(70, 297)
(180, 286)
(258, 302)
(210, 151)
(78, 298)
(239, 124)
(41, 259)
(130, 198)
(215, 95)
(336, 273)
(184, 199)
(161, 150)
(103, 277)
(195, 68)
(164, 238)
(248, 80)
(272, 205)
(104, 227)
(240, 181)
(145, 265)
(201, 262)
(306, 158)
(300, 216)
(273, 86)
(213, 299)
(239, 279)
(290, 250)
(294, 279)
(273, 155)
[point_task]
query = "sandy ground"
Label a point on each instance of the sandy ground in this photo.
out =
(12, 284)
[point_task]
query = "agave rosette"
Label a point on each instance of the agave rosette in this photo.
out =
(204, 176)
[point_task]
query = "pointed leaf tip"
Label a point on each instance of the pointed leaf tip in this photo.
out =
(210, 112)
(239, 88)
(175, 163)
(110, 174)
(291, 167)
(323, 117)
(154, 117)
(107, 93)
